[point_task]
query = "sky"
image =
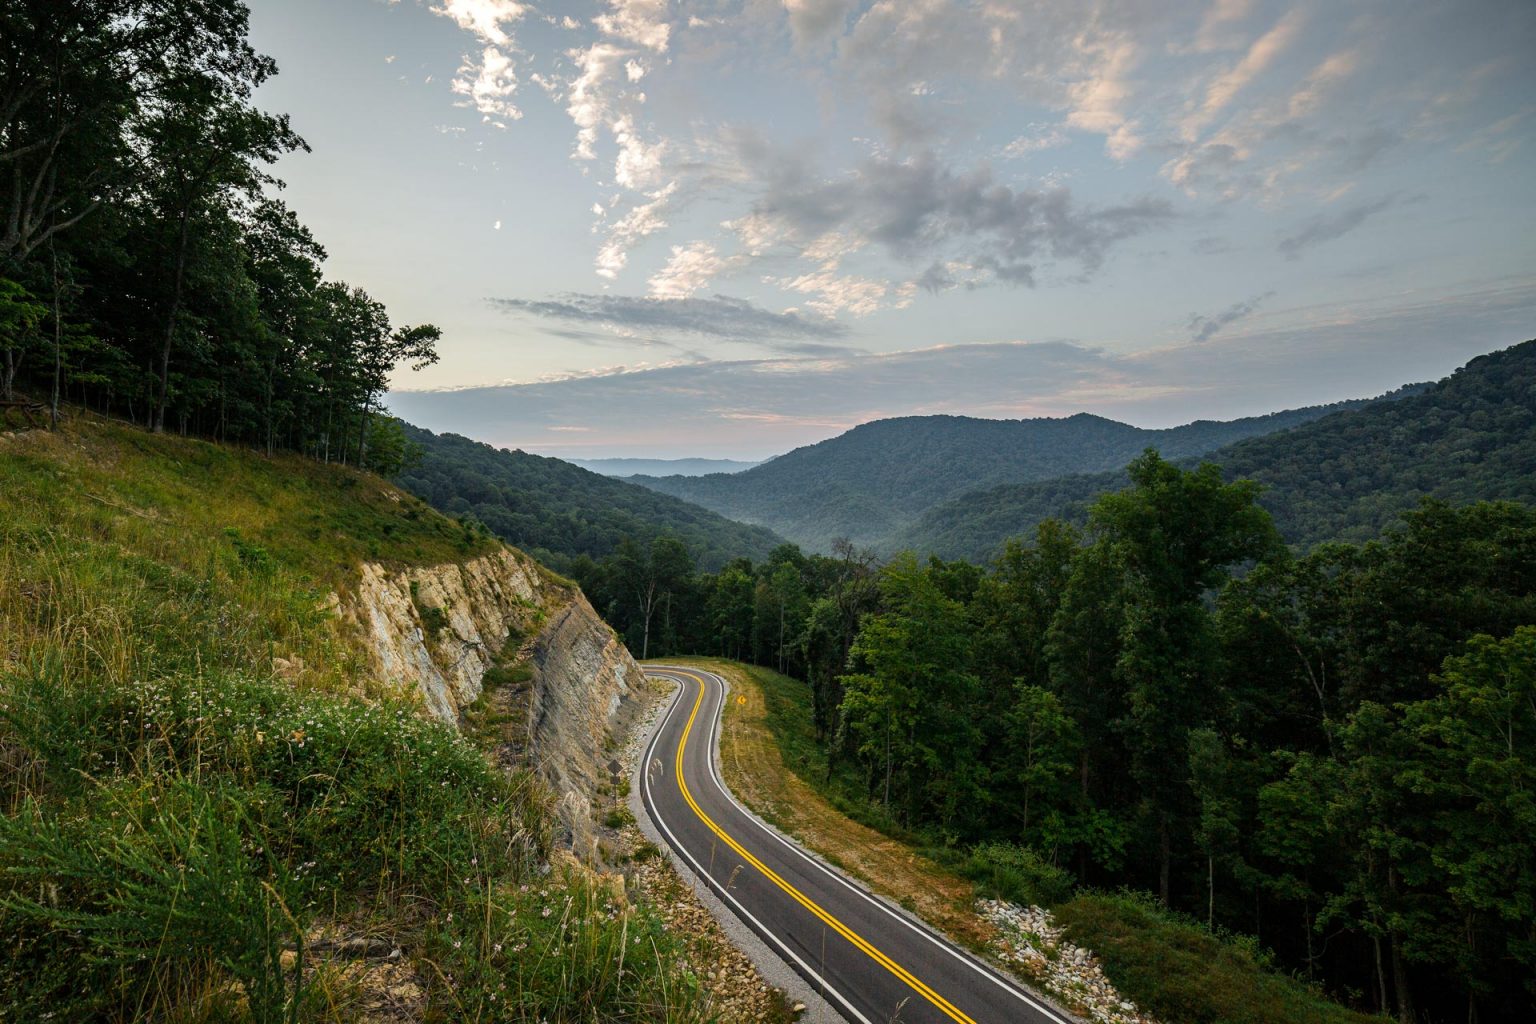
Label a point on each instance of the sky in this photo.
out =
(727, 228)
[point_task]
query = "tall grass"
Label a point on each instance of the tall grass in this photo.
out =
(196, 779)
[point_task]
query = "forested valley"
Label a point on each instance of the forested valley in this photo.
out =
(148, 269)
(1331, 752)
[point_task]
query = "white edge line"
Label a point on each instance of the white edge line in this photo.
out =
(917, 928)
(655, 813)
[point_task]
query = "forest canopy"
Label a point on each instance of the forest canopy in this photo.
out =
(148, 268)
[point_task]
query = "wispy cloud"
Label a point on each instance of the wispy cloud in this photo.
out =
(721, 316)
(1204, 328)
(1329, 226)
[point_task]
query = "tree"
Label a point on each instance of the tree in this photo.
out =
(20, 315)
(76, 79)
(1177, 533)
(1473, 770)
(1041, 753)
(909, 706)
(203, 145)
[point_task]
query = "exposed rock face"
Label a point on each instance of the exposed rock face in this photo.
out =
(481, 602)
(439, 628)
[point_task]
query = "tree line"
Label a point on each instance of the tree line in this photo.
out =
(148, 268)
(1334, 752)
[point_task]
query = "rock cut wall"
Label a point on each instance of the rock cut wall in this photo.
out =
(438, 629)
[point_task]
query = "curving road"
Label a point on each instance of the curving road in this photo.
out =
(871, 962)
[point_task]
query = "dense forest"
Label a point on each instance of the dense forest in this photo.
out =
(557, 511)
(1332, 752)
(1343, 477)
(870, 482)
(147, 268)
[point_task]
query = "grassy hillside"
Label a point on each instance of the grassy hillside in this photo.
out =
(202, 799)
(556, 511)
(1346, 476)
(870, 482)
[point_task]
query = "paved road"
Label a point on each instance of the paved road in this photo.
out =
(872, 963)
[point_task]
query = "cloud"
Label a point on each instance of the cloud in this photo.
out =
(1327, 227)
(488, 79)
(641, 221)
(1260, 55)
(762, 407)
(489, 85)
(1098, 99)
(642, 22)
(919, 209)
(1042, 137)
(721, 316)
(811, 21)
(1204, 328)
(1216, 27)
(838, 293)
(689, 269)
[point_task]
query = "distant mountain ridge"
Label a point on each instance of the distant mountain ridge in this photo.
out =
(624, 467)
(1346, 476)
(558, 512)
(875, 480)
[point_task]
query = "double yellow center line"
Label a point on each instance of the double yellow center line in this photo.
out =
(944, 1005)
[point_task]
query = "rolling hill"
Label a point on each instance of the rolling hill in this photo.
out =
(872, 482)
(662, 467)
(557, 511)
(1346, 476)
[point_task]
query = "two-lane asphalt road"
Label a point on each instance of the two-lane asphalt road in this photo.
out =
(868, 960)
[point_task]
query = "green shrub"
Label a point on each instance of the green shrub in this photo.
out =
(1016, 874)
(1178, 970)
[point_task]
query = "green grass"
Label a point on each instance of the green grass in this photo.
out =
(196, 778)
(159, 492)
(1177, 969)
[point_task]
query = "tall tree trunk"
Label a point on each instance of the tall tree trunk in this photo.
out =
(1164, 859)
(1400, 979)
(58, 337)
(362, 435)
(1210, 890)
(1382, 1005)
(170, 321)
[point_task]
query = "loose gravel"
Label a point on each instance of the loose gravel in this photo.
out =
(1030, 941)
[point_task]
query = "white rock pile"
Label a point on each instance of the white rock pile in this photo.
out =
(1030, 939)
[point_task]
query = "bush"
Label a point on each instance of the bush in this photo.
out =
(1178, 970)
(1016, 874)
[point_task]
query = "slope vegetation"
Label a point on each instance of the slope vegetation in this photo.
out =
(870, 482)
(557, 511)
(1470, 437)
(213, 809)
